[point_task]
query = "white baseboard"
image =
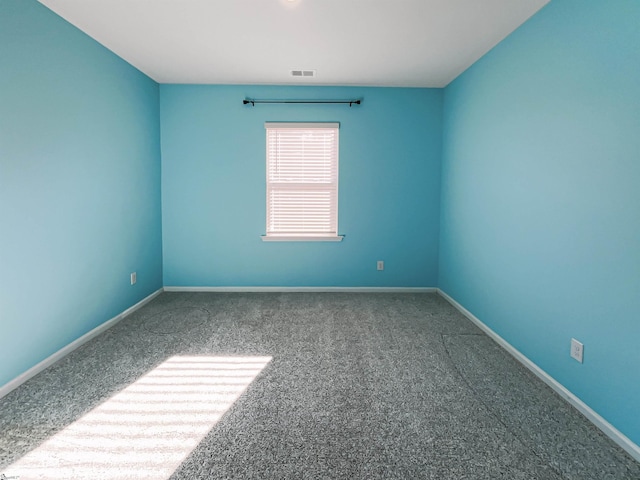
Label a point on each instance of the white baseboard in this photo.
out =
(64, 351)
(305, 289)
(612, 432)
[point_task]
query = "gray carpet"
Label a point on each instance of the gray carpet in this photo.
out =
(359, 386)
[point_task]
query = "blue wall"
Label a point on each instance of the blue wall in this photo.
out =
(540, 220)
(213, 188)
(79, 185)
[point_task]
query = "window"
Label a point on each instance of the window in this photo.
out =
(302, 181)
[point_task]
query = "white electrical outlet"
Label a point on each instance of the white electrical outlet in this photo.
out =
(577, 350)
(134, 278)
(380, 265)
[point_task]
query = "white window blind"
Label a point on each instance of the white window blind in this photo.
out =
(302, 180)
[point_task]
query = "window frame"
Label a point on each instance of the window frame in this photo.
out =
(272, 235)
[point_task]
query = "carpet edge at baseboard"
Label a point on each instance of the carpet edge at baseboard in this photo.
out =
(67, 349)
(609, 430)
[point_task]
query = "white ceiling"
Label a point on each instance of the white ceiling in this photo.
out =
(413, 43)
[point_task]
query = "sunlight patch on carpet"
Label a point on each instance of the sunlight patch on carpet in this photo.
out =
(148, 429)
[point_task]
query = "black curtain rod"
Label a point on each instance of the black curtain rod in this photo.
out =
(253, 101)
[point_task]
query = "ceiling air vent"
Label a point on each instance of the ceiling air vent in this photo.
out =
(303, 73)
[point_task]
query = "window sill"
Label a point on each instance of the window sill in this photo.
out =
(301, 238)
